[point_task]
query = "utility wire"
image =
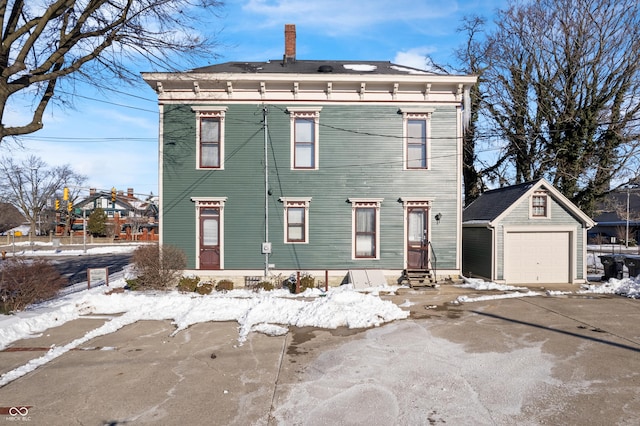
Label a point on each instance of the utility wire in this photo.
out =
(107, 102)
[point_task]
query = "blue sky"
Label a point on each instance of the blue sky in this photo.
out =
(110, 135)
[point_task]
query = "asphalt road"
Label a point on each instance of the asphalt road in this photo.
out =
(570, 360)
(74, 268)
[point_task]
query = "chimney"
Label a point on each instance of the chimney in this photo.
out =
(92, 191)
(130, 192)
(289, 43)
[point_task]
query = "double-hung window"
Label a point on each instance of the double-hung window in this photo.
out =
(304, 137)
(210, 137)
(366, 228)
(417, 133)
(539, 205)
(296, 219)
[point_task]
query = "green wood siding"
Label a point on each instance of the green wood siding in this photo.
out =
(360, 156)
(476, 252)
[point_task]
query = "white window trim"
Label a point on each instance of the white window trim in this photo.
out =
(305, 112)
(218, 202)
(209, 112)
(416, 114)
(296, 202)
(548, 206)
(365, 202)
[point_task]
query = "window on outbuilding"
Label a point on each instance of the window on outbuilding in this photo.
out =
(539, 205)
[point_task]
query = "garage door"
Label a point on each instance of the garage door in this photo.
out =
(537, 257)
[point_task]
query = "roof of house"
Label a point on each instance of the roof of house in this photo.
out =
(253, 80)
(492, 205)
(310, 67)
(612, 209)
(122, 200)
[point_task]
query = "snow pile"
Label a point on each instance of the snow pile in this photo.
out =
(360, 67)
(481, 285)
(341, 307)
(266, 312)
(478, 284)
(628, 287)
(38, 248)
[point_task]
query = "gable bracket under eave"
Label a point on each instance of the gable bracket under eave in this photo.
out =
(329, 89)
(263, 88)
(427, 90)
(296, 87)
(363, 89)
(196, 87)
(229, 88)
(395, 91)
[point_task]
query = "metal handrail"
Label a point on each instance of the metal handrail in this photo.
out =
(433, 261)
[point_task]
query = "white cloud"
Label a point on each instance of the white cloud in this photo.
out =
(340, 17)
(415, 58)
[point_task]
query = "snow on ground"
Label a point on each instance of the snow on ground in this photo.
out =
(266, 312)
(38, 248)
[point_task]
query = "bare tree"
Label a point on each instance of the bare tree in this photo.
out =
(474, 55)
(563, 92)
(48, 42)
(31, 185)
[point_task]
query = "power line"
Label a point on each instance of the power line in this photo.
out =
(65, 139)
(108, 102)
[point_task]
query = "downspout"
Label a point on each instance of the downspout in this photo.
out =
(266, 248)
(466, 118)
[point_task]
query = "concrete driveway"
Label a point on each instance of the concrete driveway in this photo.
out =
(569, 360)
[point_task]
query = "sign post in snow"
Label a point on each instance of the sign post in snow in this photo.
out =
(95, 275)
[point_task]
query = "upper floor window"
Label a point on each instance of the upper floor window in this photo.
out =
(210, 136)
(296, 219)
(304, 137)
(539, 205)
(417, 129)
(366, 228)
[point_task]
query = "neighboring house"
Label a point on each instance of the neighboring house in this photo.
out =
(617, 216)
(128, 217)
(312, 166)
(525, 234)
(11, 220)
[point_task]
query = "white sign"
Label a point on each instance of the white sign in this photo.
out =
(95, 275)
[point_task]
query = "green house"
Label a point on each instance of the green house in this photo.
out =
(323, 167)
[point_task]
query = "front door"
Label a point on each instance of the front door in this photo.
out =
(417, 238)
(209, 238)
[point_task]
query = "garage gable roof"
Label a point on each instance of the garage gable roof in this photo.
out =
(492, 206)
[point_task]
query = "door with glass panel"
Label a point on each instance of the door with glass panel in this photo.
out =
(209, 238)
(417, 238)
